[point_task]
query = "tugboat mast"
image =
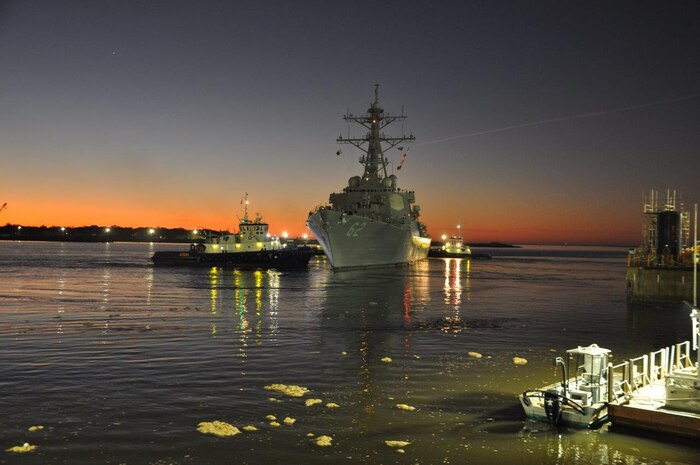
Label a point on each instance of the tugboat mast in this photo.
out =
(375, 121)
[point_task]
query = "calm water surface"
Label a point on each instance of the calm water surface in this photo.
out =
(119, 361)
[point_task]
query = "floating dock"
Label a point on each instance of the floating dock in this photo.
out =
(658, 392)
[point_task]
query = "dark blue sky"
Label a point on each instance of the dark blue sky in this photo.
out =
(165, 113)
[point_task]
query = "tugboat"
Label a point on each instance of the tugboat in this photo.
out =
(253, 247)
(452, 247)
(579, 401)
(372, 222)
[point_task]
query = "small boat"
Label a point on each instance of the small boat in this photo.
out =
(454, 247)
(253, 247)
(579, 401)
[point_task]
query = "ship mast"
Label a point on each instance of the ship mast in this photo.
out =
(245, 211)
(375, 121)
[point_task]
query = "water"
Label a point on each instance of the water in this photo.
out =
(119, 361)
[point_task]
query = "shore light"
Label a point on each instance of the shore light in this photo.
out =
(304, 236)
(285, 234)
(63, 228)
(108, 230)
(151, 231)
(444, 237)
(195, 231)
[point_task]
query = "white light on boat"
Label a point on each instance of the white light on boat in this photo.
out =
(268, 235)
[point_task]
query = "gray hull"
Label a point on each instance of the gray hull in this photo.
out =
(352, 241)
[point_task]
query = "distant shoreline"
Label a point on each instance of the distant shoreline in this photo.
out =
(93, 233)
(96, 233)
(494, 245)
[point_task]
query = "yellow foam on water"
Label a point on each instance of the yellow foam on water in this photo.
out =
(249, 428)
(274, 423)
(272, 399)
(386, 360)
(310, 435)
(310, 402)
(217, 428)
(399, 444)
(332, 405)
(26, 447)
(35, 428)
(410, 408)
(519, 360)
(271, 417)
(324, 441)
(475, 355)
(290, 390)
(289, 421)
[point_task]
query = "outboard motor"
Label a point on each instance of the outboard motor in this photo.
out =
(552, 407)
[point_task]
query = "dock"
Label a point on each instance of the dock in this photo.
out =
(657, 392)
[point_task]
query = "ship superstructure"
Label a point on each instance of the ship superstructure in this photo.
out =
(372, 222)
(666, 232)
(253, 236)
(661, 268)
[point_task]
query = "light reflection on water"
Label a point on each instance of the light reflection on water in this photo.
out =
(120, 361)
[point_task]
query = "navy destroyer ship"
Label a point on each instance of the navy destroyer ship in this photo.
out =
(372, 222)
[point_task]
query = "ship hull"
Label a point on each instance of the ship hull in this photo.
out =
(353, 241)
(289, 258)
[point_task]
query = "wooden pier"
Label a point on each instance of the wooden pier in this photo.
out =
(657, 392)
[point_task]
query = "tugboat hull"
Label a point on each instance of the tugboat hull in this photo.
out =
(280, 259)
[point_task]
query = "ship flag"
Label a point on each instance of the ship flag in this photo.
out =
(403, 159)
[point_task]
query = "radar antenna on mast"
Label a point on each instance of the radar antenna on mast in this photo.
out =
(375, 120)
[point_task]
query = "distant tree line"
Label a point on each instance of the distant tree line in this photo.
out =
(96, 233)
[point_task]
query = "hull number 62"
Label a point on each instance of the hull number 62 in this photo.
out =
(355, 229)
